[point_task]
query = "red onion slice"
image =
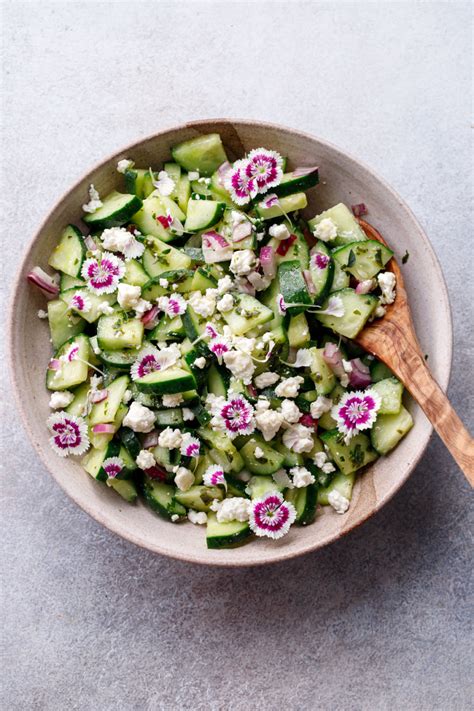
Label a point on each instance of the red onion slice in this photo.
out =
(157, 473)
(359, 377)
(309, 421)
(267, 258)
(241, 231)
(99, 395)
(332, 356)
(364, 287)
(54, 364)
(309, 281)
(151, 439)
(301, 172)
(215, 248)
(149, 318)
(359, 209)
(43, 281)
(104, 428)
(90, 244)
(222, 171)
(285, 245)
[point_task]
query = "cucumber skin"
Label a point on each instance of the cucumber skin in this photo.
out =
(118, 218)
(296, 185)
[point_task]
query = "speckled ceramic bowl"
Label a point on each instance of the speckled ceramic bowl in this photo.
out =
(344, 179)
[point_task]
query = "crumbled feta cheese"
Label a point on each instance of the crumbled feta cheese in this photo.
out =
(290, 411)
(175, 518)
(380, 311)
(320, 406)
(200, 362)
(145, 459)
(124, 165)
(301, 477)
(94, 201)
(258, 452)
(304, 358)
(243, 262)
(242, 343)
(269, 422)
(139, 418)
(115, 239)
(172, 400)
(326, 230)
(170, 439)
(141, 307)
(263, 404)
(184, 479)
(279, 232)
(164, 184)
(197, 517)
(298, 438)
(224, 285)
(387, 282)
(104, 308)
(60, 399)
(234, 509)
(264, 380)
(289, 387)
(226, 303)
(193, 175)
(127, 396)
(259, 281)
(128, 296)
(321, 461)
(328, 468)
(188, 414)
(338, 502)
(282, 479)
(163, 283)
(240, 365)
(203, 304)
(42, 314)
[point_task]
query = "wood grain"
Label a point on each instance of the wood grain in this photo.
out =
(393, 340)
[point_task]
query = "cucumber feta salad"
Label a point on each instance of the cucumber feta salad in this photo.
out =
(203, 343)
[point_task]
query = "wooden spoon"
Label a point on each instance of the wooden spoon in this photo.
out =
(392, 339)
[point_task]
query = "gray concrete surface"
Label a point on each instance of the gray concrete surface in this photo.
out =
(379, 621)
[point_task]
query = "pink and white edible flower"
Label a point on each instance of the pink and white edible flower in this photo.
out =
(270, 201)
(190, 446)
(219, 345)
(241, 187)
(356, 411)
(271, 516)
(319, 260)
(335, 307)
(148, 361)
(80, 302)
(103, 273)
(281, 306)
(170, 223)
(113, 466)
(71, 354)
(68, 434)
(237, 416)
(265, 167)
(214, 476)
(174, 305)
(210, 330)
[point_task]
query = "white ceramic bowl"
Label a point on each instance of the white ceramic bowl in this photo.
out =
(343, 179)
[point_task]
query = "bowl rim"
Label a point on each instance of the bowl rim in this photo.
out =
(18, 283)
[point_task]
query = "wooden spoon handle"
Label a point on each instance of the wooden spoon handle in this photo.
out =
(412, 370)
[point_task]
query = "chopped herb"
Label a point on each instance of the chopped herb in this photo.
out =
(378, 257)
(351, 259)
(356, 455)
(405, 257)
(426, 356)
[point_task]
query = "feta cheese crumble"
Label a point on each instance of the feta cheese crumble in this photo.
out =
(268, 422)
(320, 406)
(240, 365)
(139, 418)
(145, 459)
(234, 509)
(107, 309)
(199, 518)
(170, 439)
(200, 362)
(282, 479)
(184, 479)
(258, 452)
(298, 438)
(128, 296)
(164, 184)
(265, 380)
(203, 304)
(321, 461)
(243, 262)
(42, 314)
(289, 387)
(94, 201)
(226, 303)
(326, 230)
(301, 477)
(60, 399)
(290, 412)
(163, 283)
(172, 400)
(224, 285)
(124, 165)
(339, 502)
(280, 232)
(387, 282)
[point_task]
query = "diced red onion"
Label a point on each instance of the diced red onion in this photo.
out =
(359, 209)
(222, 171)
(359, 377)
(333, 357)
(104, 428)
(151, 439)
(44, 281)
(309, 421)
(54, 364)
(99, 395)
(90, 244)
(246, 287)
(301, 172)
(285, 245)
(157, 473)
(267, 258)
(241, 231)
(364, 287)
(309, 281)
(149, 318)
(215, 248)
(252, 391)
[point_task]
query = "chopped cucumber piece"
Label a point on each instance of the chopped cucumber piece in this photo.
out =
(268, 461)
(203, 214)
(348, 229)
(388, 430)
(287, 204)
(304, 500)
(155, 206)
(293, 287)
(160, 498)
(391, 391)
(247, 313)
(106, 410)
(297, 181)
(199, 497)
(342, 483)
(362, 259)
(96, 302)
(223, 535)
(160, 257)
(357, 310)
(73, 367)
(69, 253)
(322, 271)
(298, 331)
(135, 274)
(349, 457)
(125, 488)
(117, 331)
(169, 381)
(203, 154)
(321, 373)
(63, 325)
(116, 210)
